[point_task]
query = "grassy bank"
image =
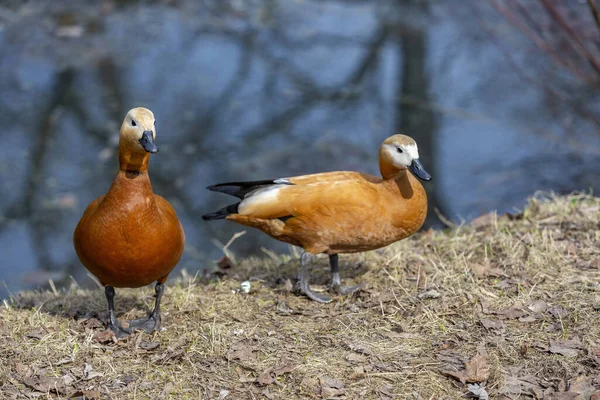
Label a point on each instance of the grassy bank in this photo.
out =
(506, 307)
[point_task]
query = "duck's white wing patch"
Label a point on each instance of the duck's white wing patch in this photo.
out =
(260, 198)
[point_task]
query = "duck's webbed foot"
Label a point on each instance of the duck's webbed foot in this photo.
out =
(118, 330)
(113, 323)
(304, 286)
(149, 324)
(152, 322)
(336, 281)
(336, 285)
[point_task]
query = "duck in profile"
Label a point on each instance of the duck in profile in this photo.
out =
(336, 212)
(131, 237)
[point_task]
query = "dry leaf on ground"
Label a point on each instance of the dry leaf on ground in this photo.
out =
(567, 348)
(331, 387)
(476, 370)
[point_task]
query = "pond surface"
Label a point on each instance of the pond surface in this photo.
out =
(263, 89)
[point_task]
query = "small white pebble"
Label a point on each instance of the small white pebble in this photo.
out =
(245, 287)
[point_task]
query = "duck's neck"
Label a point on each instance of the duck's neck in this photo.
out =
(404, 184)
(132, 162)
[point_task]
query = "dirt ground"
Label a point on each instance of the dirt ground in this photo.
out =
(506, 307)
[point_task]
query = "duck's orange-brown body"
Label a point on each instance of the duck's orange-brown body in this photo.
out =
(339, 212)
(130, 237)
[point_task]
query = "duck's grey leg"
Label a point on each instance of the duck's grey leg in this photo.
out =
(113, 322)
(304, 287)
(336, 281)
(152, 323)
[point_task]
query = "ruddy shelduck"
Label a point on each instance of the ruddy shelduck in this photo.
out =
(336, 212)
(131, 237)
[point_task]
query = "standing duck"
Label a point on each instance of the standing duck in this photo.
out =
(336, 212)
(131, 237)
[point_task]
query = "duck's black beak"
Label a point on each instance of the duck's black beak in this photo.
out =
(148, 143)
(417, 168)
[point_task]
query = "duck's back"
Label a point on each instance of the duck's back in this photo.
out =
(129, 237)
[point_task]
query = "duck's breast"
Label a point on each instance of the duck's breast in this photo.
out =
(130, 239)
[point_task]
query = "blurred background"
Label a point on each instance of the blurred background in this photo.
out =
(501, 96)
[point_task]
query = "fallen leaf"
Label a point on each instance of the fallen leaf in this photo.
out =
(126, 380)
(537, 306)
(284, 367)
(266, 378)
(477, 370)
(485, 270)
(35, 334)
(105, 336)
(385, 392)
(23, 370)
(456, 375)
(241, 352)
(92, 323)
(515, 386)
(331, 387)
(567, 348)
(511, 313)
(358, 373)
(146, 345)
(87, 395)
(582, 385)
(495, 324)
(360, 348)
(45, 384)
(558, 311)
(562, 396)
(268, 394)
(166, 390)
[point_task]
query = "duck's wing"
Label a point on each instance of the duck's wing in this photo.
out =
(278, 198)
(241, 189)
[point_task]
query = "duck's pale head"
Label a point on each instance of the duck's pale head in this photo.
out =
(136, 142)
(138, 130)
(398, 153)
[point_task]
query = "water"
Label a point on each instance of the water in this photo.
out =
(255, 90)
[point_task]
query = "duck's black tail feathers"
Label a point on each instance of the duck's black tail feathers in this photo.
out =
(222, 213)
(241, 189)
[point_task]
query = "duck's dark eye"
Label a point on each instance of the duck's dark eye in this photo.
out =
(133, 122)
(399, 149)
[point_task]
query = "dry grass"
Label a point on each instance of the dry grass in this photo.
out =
(521, 291)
